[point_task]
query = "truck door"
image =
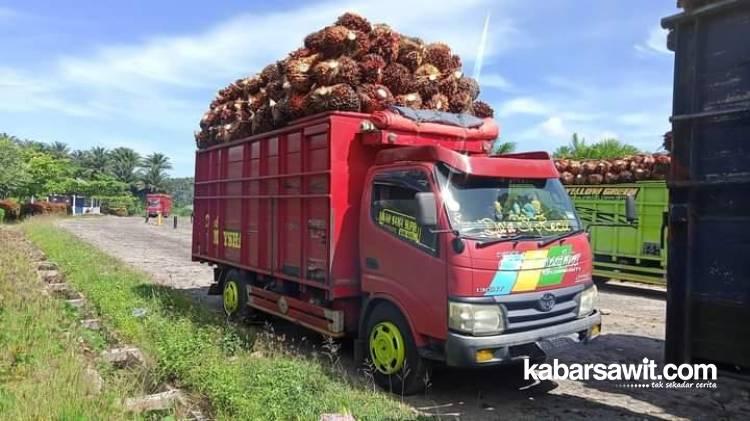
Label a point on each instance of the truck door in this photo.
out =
(399, 258)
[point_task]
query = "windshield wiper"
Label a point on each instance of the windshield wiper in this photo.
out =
(504, 239)
(559, 237)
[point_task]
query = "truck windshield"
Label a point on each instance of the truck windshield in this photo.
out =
(154, 202)
(489, 207)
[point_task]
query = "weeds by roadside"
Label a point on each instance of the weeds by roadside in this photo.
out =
(43, 368)
(197, 349)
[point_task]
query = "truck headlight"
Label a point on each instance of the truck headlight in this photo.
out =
(587, 301)
(476, 319)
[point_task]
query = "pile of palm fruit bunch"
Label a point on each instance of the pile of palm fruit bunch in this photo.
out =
(614, 171)
(351, 65)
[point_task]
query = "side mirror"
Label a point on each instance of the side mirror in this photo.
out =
(426, 209)
(631, 214)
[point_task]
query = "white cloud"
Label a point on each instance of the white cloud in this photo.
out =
(20, 93)
(655, 43)
(523, 105)
(129, 80)
(162, 84)
(494, 81)
(555, 127)
(244, 44)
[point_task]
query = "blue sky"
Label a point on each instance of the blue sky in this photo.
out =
(141, 73)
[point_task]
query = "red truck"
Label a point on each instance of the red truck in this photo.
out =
(406, 236)
(158, 203)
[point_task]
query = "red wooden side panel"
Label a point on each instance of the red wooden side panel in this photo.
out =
(318, 207)
(268, 205)
(231, 231)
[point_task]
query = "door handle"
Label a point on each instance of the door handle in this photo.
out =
(372, 263)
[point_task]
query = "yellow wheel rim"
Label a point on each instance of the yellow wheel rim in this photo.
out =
(387, 348)
(231, 297)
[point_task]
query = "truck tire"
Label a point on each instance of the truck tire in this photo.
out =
(234, 295)
(392, 353)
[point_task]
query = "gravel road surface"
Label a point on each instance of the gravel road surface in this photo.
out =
(633, 329)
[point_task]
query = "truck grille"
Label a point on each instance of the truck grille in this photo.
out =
(524, 312)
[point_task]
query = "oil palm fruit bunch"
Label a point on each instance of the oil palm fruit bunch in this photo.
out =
(353, 65)
(412, 100)
(374, 97)
(440, 55)
(384, 42)
(398, 79)
(411, 52)
(354, 22)
(371, 68)
(340, 70)
(427, 80)
(482, 109)
(613, 171)
(340, 97)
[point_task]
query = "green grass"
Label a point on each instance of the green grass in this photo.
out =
(197, 349)
(41, 359)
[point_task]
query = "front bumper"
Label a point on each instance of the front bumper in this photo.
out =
(461, 350)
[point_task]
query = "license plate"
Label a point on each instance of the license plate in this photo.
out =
(556, 343)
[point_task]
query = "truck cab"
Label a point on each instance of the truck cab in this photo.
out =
(158, 203)
(485, 255)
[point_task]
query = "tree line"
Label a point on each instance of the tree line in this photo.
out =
(603, 149)
(31, 170)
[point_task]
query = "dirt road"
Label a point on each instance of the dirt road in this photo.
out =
(633, 329)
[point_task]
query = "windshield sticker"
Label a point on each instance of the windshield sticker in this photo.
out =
(603, 192)
(521, 225)
(402, 225)
(532, 269)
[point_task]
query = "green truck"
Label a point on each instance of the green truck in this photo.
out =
(628, 252)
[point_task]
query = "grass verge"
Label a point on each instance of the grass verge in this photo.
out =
(42, 367)
(196, 348)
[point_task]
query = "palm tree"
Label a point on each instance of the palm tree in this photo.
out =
(604, 149)
(125, 162)
(499, 148)
(34, 145)
(59, 149)
(611, 148)
(99, 157)
(576, 149)
(92, 163)
(154, 176)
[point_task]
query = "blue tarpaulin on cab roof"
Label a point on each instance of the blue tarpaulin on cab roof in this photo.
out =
(431, 116)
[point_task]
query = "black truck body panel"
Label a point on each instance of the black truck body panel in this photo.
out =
(708, 274)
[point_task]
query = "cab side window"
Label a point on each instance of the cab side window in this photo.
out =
(394, 206)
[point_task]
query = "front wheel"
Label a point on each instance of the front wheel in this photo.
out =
(234, 295)
(391, 350)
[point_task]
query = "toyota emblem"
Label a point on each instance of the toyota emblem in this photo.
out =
(546, 302)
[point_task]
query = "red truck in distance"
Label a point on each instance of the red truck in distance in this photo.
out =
(158, 203)
(405, 236)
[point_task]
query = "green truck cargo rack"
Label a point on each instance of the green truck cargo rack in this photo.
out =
(636, 253)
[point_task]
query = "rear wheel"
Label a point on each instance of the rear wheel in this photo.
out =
(234, 295)
(396, 363)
